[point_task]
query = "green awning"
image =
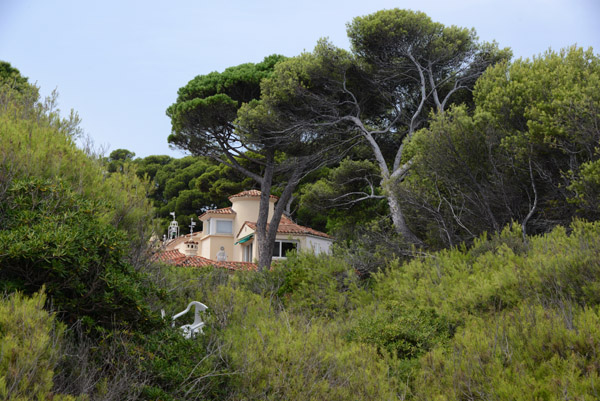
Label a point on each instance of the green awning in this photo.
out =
(245, 239)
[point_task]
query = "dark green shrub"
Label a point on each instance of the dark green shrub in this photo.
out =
(405, 333)
(54, 238)
(182, 369)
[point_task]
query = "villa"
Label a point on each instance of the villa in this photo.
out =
(227, 236)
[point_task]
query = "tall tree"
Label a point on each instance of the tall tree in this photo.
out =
(405, 66)
(522, 155)
(203, 123)
(300, 141)
(419, 66)
(230, 118)
(248, 118)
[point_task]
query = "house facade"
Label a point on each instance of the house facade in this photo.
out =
(228, 233)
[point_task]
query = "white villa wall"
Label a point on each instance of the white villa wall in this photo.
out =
(246, 209)
(317, 245)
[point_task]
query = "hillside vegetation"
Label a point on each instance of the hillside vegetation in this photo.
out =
(499, 299)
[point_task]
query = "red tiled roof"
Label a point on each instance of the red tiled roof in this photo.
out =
(225, 210)
(287, 226)
(177, 258)
(171, 257)
(249, 194)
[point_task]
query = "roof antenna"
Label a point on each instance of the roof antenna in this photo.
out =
(192, 225)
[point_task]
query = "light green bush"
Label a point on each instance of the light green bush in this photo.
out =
(530, 353)
(29, 348)
(280, 356)
(322, 285)
(36, 142)
(455, 282)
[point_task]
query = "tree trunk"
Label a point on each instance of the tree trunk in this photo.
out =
(267, 242)
(398, 216)
(264, 246)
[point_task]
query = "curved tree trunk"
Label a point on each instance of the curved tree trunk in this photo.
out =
(398, 217)
(266, 244)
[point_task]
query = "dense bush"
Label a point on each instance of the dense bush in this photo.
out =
(282, 356)
(530, 353)
(260, 346)
(405, 333)
(321, 285)
(29, 342)
(52, 237)
(531, 298)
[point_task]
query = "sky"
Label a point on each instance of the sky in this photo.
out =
(119, 64)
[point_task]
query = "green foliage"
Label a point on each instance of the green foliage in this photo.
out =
(346, 196)
(372, 247)
(530, 353)
(207, 106)
(188, 186)
(279, 356)
(321, 285)
(586, 189)
(52, 237)
(526, 153)
(29, 340)
(497, 274)
(255, 349)
(405, 333)
(117, 159)
(36, 142)
(506, 297)
(11, 77)
(181, 369)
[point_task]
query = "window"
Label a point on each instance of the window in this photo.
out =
(207, 226)
(281, 248)
(224, 227)
(248, 253)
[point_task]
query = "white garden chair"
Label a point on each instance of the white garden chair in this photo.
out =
(191, 330)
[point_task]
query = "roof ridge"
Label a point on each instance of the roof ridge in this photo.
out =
(222, 210)
(250, 193)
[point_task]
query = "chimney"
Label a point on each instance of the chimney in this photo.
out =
(190, 248)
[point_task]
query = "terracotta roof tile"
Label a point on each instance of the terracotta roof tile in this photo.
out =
(287, 226)
(249, 194)
(225, 210)
(171, 257)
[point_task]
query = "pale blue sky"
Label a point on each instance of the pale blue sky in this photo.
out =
(120, 63)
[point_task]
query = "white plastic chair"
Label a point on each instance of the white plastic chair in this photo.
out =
(191, 330)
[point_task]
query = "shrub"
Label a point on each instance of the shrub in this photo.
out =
(405, 333)
(322, 285)
(530, 353)
(280, 356)
(182, 369)
(51, 236)
(29, 340)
